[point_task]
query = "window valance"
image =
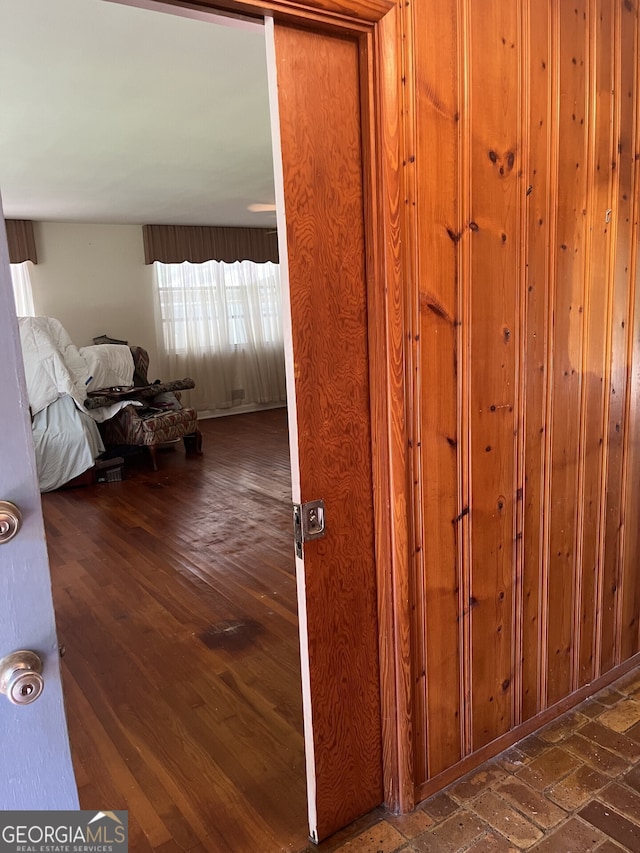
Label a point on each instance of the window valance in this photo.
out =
(21, 240)
(174, 244)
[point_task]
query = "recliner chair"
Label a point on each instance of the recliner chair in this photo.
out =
(151, 425)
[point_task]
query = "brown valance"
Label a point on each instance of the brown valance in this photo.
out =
(173, 244)
(21, 240)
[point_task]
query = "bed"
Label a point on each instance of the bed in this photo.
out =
(59, 375)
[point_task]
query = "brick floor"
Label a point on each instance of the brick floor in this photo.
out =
(572, 787)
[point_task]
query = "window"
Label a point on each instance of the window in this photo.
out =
(22, 292)
(218, 306)
(220, 324)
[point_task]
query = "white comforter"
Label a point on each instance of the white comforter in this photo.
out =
(59, 374)
(54, 366)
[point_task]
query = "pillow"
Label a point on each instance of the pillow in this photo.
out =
(108, 365)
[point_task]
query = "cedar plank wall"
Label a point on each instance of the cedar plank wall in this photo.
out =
(522, 140)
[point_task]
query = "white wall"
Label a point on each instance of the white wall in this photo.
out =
(94, 280)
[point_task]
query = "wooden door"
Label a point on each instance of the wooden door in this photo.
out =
(34, 745)
(320, 182)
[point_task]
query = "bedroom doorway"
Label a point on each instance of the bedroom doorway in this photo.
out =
(331, 428)
(175, 600)
(175, 590)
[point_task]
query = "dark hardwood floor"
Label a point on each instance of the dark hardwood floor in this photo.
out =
(176, 603)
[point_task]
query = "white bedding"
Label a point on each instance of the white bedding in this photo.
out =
(54, 366)
(58, 375)
(66, 442)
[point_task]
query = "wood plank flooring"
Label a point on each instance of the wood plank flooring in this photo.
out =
(175, 600)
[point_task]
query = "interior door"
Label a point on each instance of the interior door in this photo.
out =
(34, 748)
(315, 105)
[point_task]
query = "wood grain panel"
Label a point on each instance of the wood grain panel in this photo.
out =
(321, 150)
(616, 379)
(437, 659)
(492, 238)
(393, 591)
(630, 610)
(521, 731)
(540, 257)
(628, 627)
(596, 332)
(347, 15)
(537, 77)
(567, 343)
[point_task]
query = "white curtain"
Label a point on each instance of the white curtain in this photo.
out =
(220, 324)
(22, 292)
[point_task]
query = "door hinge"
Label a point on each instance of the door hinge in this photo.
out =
(308, 523)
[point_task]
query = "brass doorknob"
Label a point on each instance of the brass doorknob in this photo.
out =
(21, 677)
(10, 521)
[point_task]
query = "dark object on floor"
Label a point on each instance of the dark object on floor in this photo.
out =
(193, 442)
(105, 470)
(109, 470)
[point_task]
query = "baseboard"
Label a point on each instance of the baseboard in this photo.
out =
(470, 762)
(239, 410)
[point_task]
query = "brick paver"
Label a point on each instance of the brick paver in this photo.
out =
(540, 809)
(613, 824)
(573, 787)
(502, 817)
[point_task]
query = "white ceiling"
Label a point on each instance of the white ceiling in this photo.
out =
(117, 114)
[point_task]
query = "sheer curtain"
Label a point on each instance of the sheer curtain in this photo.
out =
(221, 325)
(22, 292)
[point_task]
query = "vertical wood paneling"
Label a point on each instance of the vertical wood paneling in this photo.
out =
(526, 190)
(393, 580)
(464, 373)
(628, 627)
(622, 204)
(596, 324)
(417, 550)
(630, 610)
(567, 343)
(492, 240)
(616, 386)
(523, 88)
(437, 662)
(552, 190)
(537, 76)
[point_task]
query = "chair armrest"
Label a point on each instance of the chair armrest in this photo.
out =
(142, 393)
